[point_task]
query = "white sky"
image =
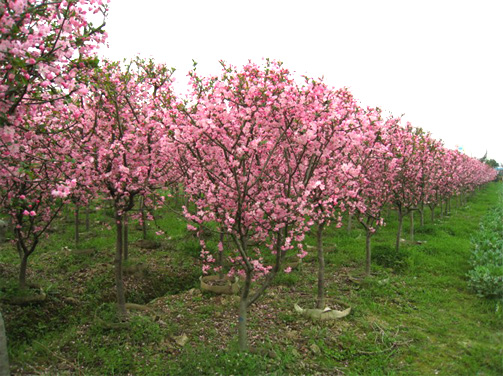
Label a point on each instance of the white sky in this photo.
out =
(438, 62)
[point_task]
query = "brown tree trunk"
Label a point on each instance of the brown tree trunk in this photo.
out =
(87, 217)
(119, 282)
(4, 356)
(77, 229)
(143, 218)
(411, 229)
(176, 193)
(368, 251)
(220, 260)
(22, 272)
(320, 301)
(432, 209)
(125, 234)
(421, 215)
(350, 220)
(399, 230)
(243, 313)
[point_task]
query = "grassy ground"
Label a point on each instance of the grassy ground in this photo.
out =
(413, 316)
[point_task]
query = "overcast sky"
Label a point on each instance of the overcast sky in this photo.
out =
(440, 63)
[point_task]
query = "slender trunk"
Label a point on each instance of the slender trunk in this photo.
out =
(399, 231)
(449, 204)
(446, 207)
(125, 234)
(368, 251)
(350, 220)
(4, 356)
(441, 209)
(320, 302)
(411, 226)
(67, 214)
(119, 283)
(87, 217)
(432, 209)
(243, 312)
(421, 215)
(220, 260)
(143, 218)
(77, 238)
(22, 272)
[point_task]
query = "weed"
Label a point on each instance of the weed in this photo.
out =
(388, 257)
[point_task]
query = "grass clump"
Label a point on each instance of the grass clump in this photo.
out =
(389, 257)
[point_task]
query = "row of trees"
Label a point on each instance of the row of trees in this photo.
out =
(258, 154)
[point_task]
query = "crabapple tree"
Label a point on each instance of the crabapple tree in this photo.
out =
(251, 147)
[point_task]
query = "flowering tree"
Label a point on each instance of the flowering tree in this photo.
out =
(44, 47)
(427, 154)
(116, 147)
(406, 192)
(29, 175)
(251, 146)
(376, 173)
(332, 185)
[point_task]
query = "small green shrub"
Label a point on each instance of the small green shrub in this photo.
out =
(204, 361)
(190, 247)
(428, 229)
(486, 276)
(388, 257)
(286, 279)
(144, 330)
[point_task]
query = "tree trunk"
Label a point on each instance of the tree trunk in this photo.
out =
(143, 218)
(220, 260)
(350, 220)
(320, 302)
(176, 193)
(411, 226)
(441, 209)
(119, 282)
(368, 251)
(432, 209)
(4, 356)
(243, 312)
(87, 217)
(22, 272)
(399, 231)
(125, 241)
(77, 238)
(421, 215)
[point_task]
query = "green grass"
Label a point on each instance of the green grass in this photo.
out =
(414, 316)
